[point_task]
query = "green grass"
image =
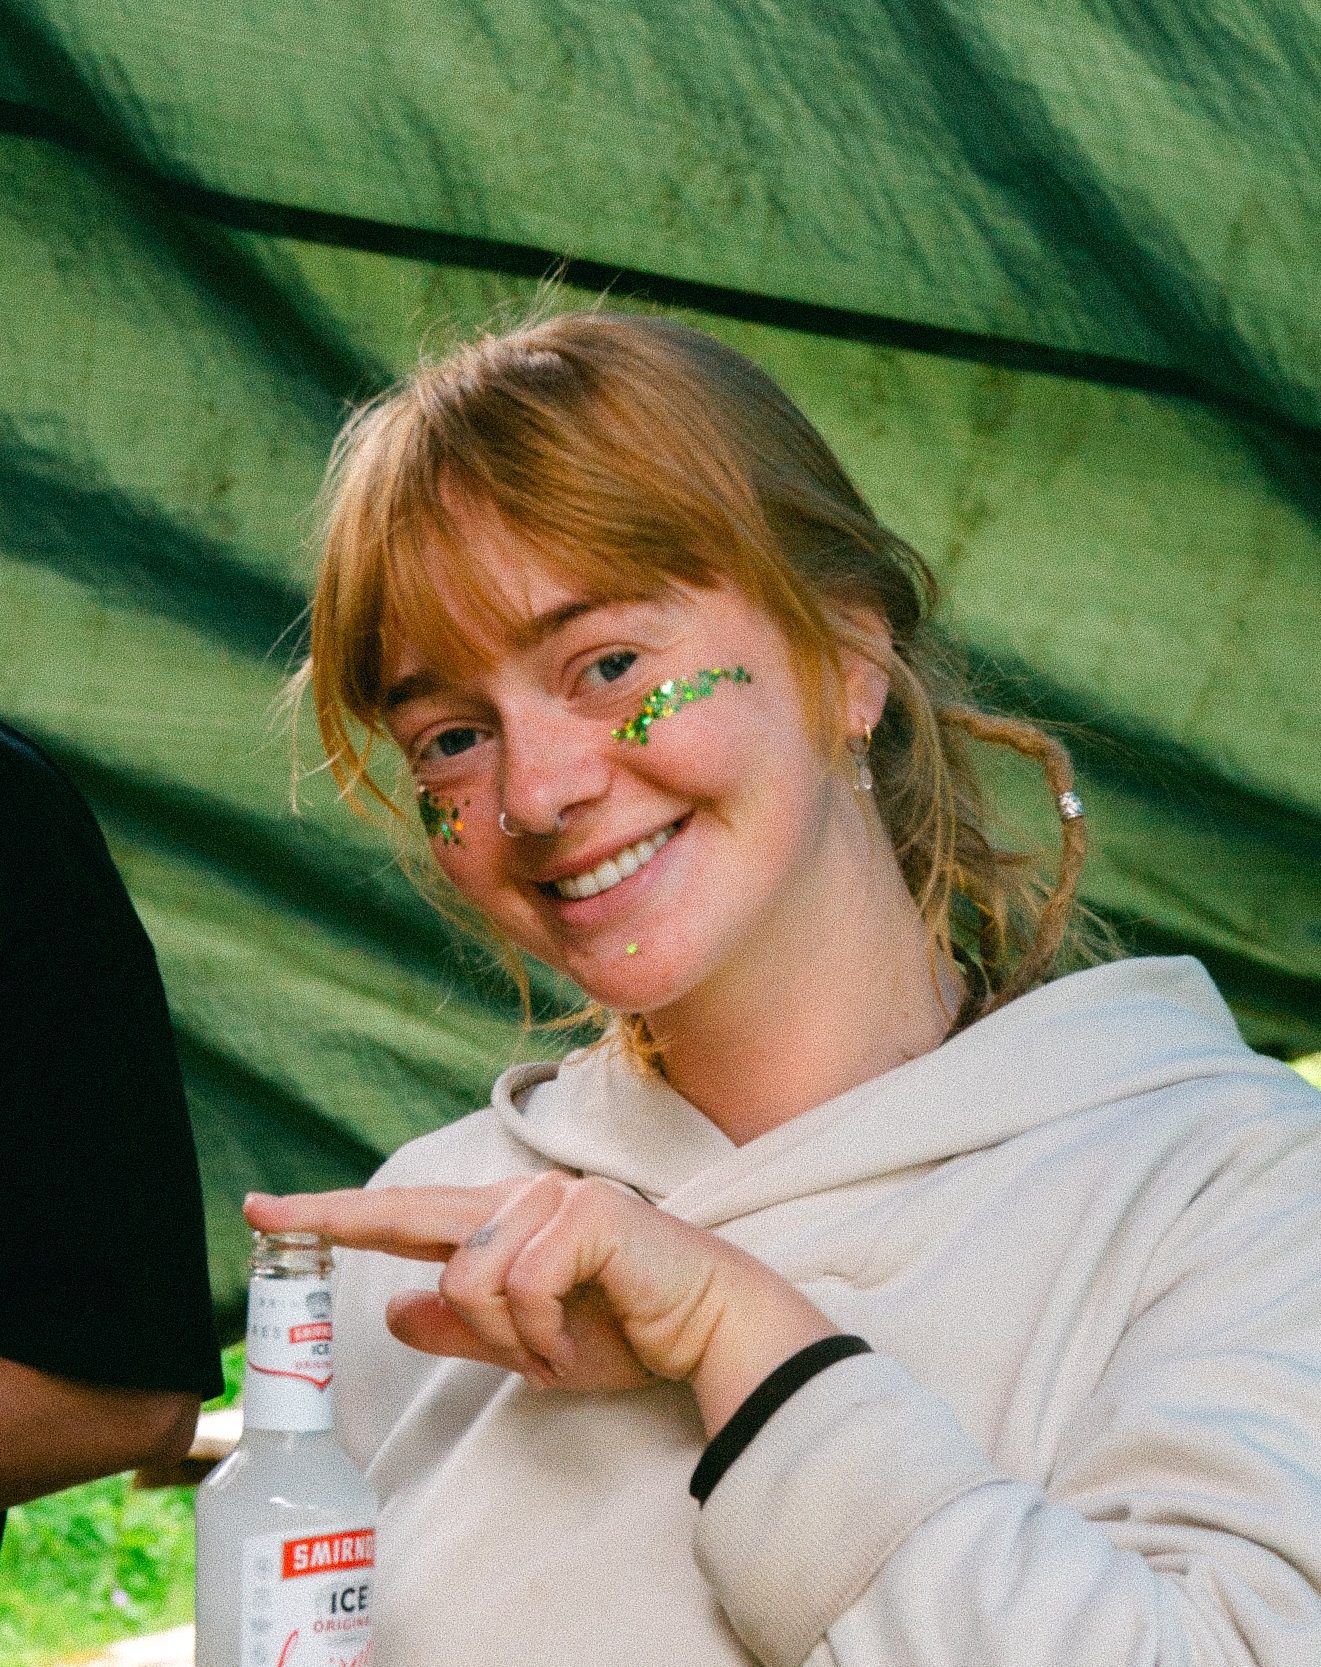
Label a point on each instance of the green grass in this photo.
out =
(82, 1568)
(1310, 1068)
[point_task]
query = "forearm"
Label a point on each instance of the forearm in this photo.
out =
(55, 1431)
(865, 1515)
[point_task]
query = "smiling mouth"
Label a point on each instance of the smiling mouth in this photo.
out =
(614, 869)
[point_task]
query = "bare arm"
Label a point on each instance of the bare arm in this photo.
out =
(55, 1431)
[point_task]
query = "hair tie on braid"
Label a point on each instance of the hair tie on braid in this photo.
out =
(1053, 757)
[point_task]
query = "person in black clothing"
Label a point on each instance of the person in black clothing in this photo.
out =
(106, 1338)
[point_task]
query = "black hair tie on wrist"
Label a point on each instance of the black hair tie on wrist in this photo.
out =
(769, 1395)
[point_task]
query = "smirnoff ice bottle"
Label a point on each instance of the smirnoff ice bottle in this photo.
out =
(286, 1524)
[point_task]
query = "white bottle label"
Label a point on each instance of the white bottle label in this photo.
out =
(306, 1599)
(286, 1385)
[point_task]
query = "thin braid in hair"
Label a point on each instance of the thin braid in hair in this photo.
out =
(1053, 757)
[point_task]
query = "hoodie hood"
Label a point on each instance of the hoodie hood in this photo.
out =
(1108, 1033)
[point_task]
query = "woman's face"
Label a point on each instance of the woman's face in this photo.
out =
(708, 851)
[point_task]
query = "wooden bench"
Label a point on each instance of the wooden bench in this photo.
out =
(216, 1437)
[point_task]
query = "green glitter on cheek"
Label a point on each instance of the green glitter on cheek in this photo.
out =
(631, 950)
(674, 694)
(440, 821)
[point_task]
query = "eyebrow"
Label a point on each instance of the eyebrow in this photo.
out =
(415, 686)
(419, 684)
(541, 626)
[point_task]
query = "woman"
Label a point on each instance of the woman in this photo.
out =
(983, 1300)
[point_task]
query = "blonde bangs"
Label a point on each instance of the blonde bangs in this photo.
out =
(614, 473)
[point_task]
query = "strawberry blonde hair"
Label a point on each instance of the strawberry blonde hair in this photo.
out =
(633, 452)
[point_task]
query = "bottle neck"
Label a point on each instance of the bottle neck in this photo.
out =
(286, 1384)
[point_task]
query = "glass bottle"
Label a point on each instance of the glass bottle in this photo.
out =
(286, 1524)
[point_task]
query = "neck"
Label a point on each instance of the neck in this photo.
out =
(854, 994)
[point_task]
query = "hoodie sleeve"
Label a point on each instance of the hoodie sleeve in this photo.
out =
(1181, 1519)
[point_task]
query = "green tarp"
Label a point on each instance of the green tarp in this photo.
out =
(1046, 275)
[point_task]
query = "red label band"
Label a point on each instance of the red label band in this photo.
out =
(319, 1332)
(321, 1553)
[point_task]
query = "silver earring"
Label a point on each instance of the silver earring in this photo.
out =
(860, 748)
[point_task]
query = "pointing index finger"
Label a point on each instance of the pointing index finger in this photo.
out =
(425, 1224)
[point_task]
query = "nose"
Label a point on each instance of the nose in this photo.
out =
(551, 765)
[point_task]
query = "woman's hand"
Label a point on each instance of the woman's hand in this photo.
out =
(577, 1284)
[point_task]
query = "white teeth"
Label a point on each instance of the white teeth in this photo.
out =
(614, 869)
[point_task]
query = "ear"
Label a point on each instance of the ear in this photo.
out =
(862, 637)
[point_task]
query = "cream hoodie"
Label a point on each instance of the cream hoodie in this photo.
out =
(1084, 1239)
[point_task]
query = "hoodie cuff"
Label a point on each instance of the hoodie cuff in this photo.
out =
(769, 1395)
(806, 1516)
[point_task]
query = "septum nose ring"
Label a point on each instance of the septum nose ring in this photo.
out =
(515, 830)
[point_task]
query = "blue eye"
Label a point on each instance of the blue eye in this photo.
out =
(611, 667)
(451, 742)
